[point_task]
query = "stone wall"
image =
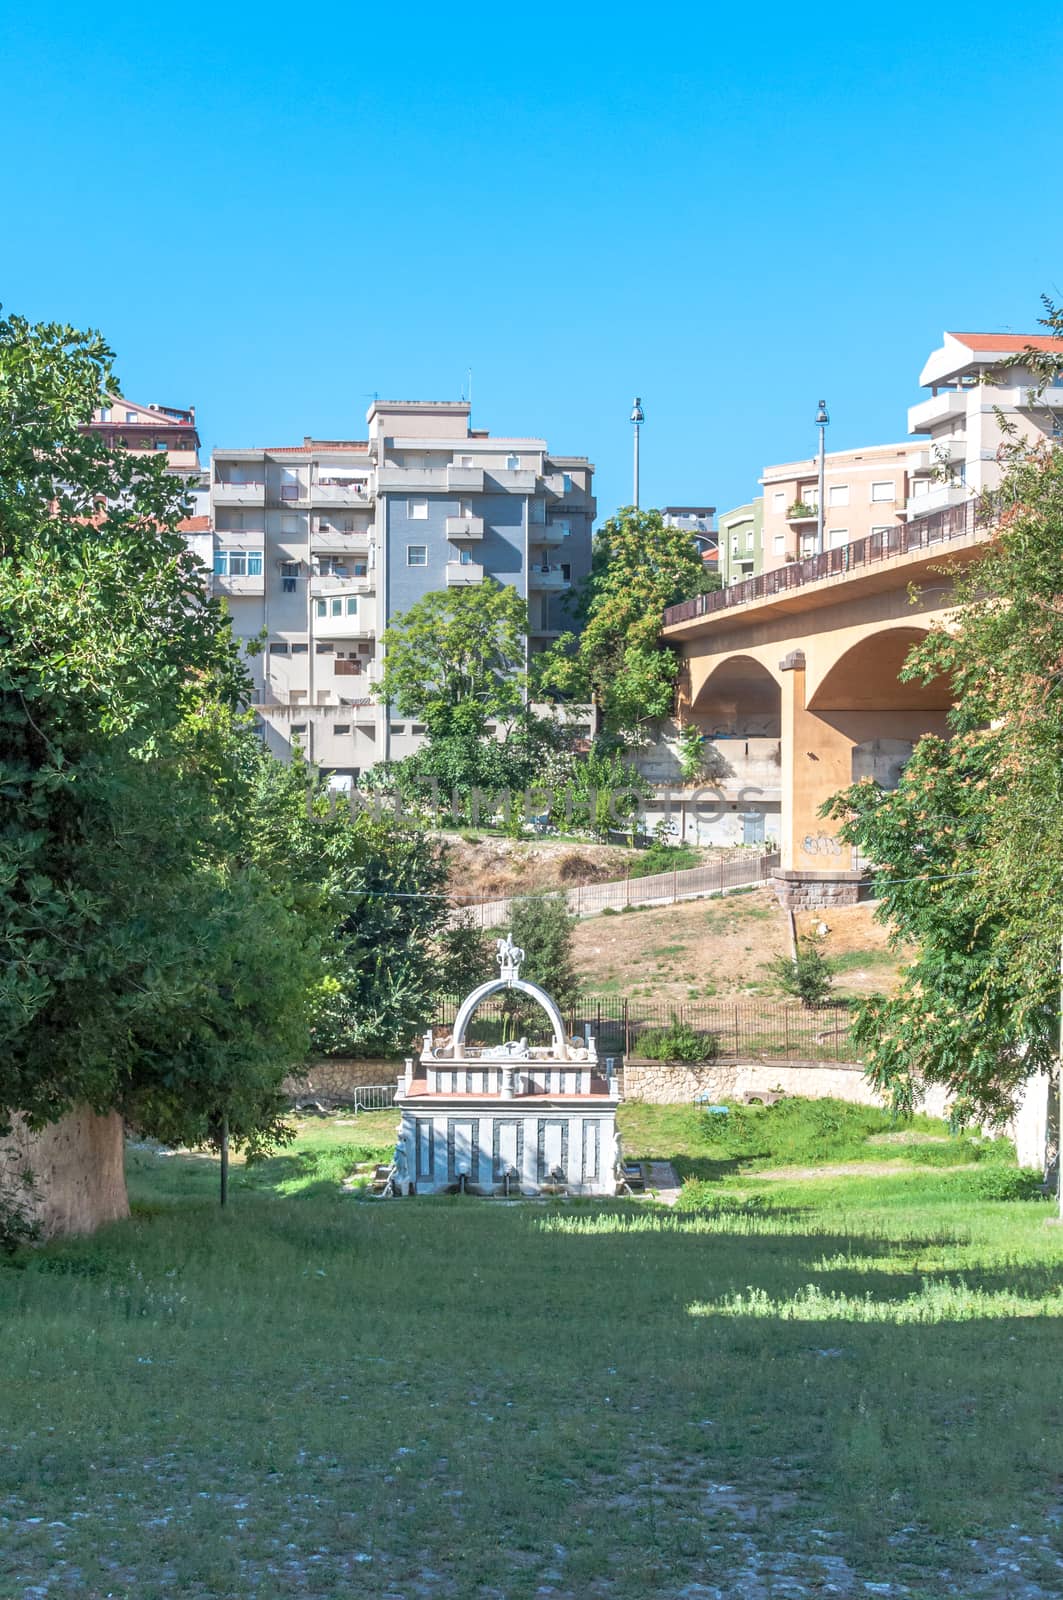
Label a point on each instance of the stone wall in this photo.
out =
(340, 1076)
(815, 891)
(78, 1170)
(677, 1082)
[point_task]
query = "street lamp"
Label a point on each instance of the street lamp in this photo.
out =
(637, 418)
(822, 419)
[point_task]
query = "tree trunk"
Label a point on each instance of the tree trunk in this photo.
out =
(78, 1172)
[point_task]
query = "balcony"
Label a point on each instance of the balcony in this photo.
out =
(939, 408)
(238, 494)
(467, 479)
(801, 512)
(552, 533)
(324, 584)
(460, 573)
(465, 527)
(412, 480)
(240, 587)
(520, 482)
(340, 494)
(334, 541)
(547, 578)
(345, 627)
(1029, 397)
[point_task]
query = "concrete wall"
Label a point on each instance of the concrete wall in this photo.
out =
(676, 1083)
(78, 1168)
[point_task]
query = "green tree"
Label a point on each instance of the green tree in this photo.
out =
(466, 957)
(140, 939)
(455, 660)
(969, 847)
(542, 926)
(809, 977)
(639, 566)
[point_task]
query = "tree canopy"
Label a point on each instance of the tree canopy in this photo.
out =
(639, 566)
(455, 659)
(969, 848)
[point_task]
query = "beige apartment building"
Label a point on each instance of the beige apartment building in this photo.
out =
(973, 402)
(866, 491)
(318, 546)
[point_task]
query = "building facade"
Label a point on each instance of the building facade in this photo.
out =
(741, 534)
(317, 547)
(866, 491)
(697, 521)
(154, 430)
(973, 403)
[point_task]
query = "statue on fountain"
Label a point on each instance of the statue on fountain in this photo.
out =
(509, 957)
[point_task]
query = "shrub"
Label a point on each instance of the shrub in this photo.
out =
(678, 1042)
(994, 1182)
(809, 978)
(18, 1197)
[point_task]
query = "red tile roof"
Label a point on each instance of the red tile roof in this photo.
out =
(194, 525)
(1009, 343)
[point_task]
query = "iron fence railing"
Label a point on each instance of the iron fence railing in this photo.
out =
(658, 888)
(922, 533)
(763, 1030)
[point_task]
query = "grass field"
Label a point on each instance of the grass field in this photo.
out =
(790, 1387)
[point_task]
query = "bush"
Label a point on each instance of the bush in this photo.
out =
(18, 1197)
(678, 1042)
(809, 978)
(1001, 1183)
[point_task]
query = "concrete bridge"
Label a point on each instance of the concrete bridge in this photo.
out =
(810, 654)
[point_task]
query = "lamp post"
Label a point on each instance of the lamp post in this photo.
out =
(822, 419)
(637, 418)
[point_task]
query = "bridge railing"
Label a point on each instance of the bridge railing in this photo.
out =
(940, 527)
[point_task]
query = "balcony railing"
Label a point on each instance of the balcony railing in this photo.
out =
(923, 533)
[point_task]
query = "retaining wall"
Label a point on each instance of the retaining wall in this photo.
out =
(339, 1075)
(677, 1082)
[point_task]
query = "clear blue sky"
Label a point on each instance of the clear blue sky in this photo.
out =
(274, 211)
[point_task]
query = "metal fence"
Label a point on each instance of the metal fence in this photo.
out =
(761, 1029)
(922, 533)
(658, 888)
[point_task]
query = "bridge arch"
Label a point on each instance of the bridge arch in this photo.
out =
(866, 677)
(739, 696)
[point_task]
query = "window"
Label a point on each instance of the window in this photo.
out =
(778, 500)
(417, 555)
(324, 648)
(321, 607)
(778, 543)
(105, 413)
(838, 494)
(160, 444)
(418, 727)
(398, 727)
(563, 528)
(237, 564)
(289, 491)
(221, 563)
(131, 416)
(566, 483)
(254, 563)
(359, 569)
(537, 511)
(300, 649)
(837, 536)
(352, 605)
(289, 576)
(279, 647)
(883, 491)
(336, 605)
(566, 572)
(465, 558)
(342, 728)
(466, 461)
(513, 463)
(881, 529)
(417, 510)
(298, 730)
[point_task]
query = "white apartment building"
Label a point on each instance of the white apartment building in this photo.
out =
(970, 392)
(317, 546)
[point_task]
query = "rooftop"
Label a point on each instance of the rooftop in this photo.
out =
(962, 351)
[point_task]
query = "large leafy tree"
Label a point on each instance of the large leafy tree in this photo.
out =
(140, 934)
(639, 566)
(456, 658)
(969, 848)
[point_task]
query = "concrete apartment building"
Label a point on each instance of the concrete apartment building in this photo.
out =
(741, 541)
(697, 521)
(970, 392)
(866, 491)
(317, 546)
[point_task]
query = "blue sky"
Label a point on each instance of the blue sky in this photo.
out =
(275, 212)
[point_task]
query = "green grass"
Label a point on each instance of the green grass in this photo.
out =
(858, 960)
(785, 1386)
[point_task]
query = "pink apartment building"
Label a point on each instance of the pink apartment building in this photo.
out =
(867, 490)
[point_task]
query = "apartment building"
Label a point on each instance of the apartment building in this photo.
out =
(973, 402)
(155, 430)
(697, 521)
(741, 541)
(866, 490)
(318, 546)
